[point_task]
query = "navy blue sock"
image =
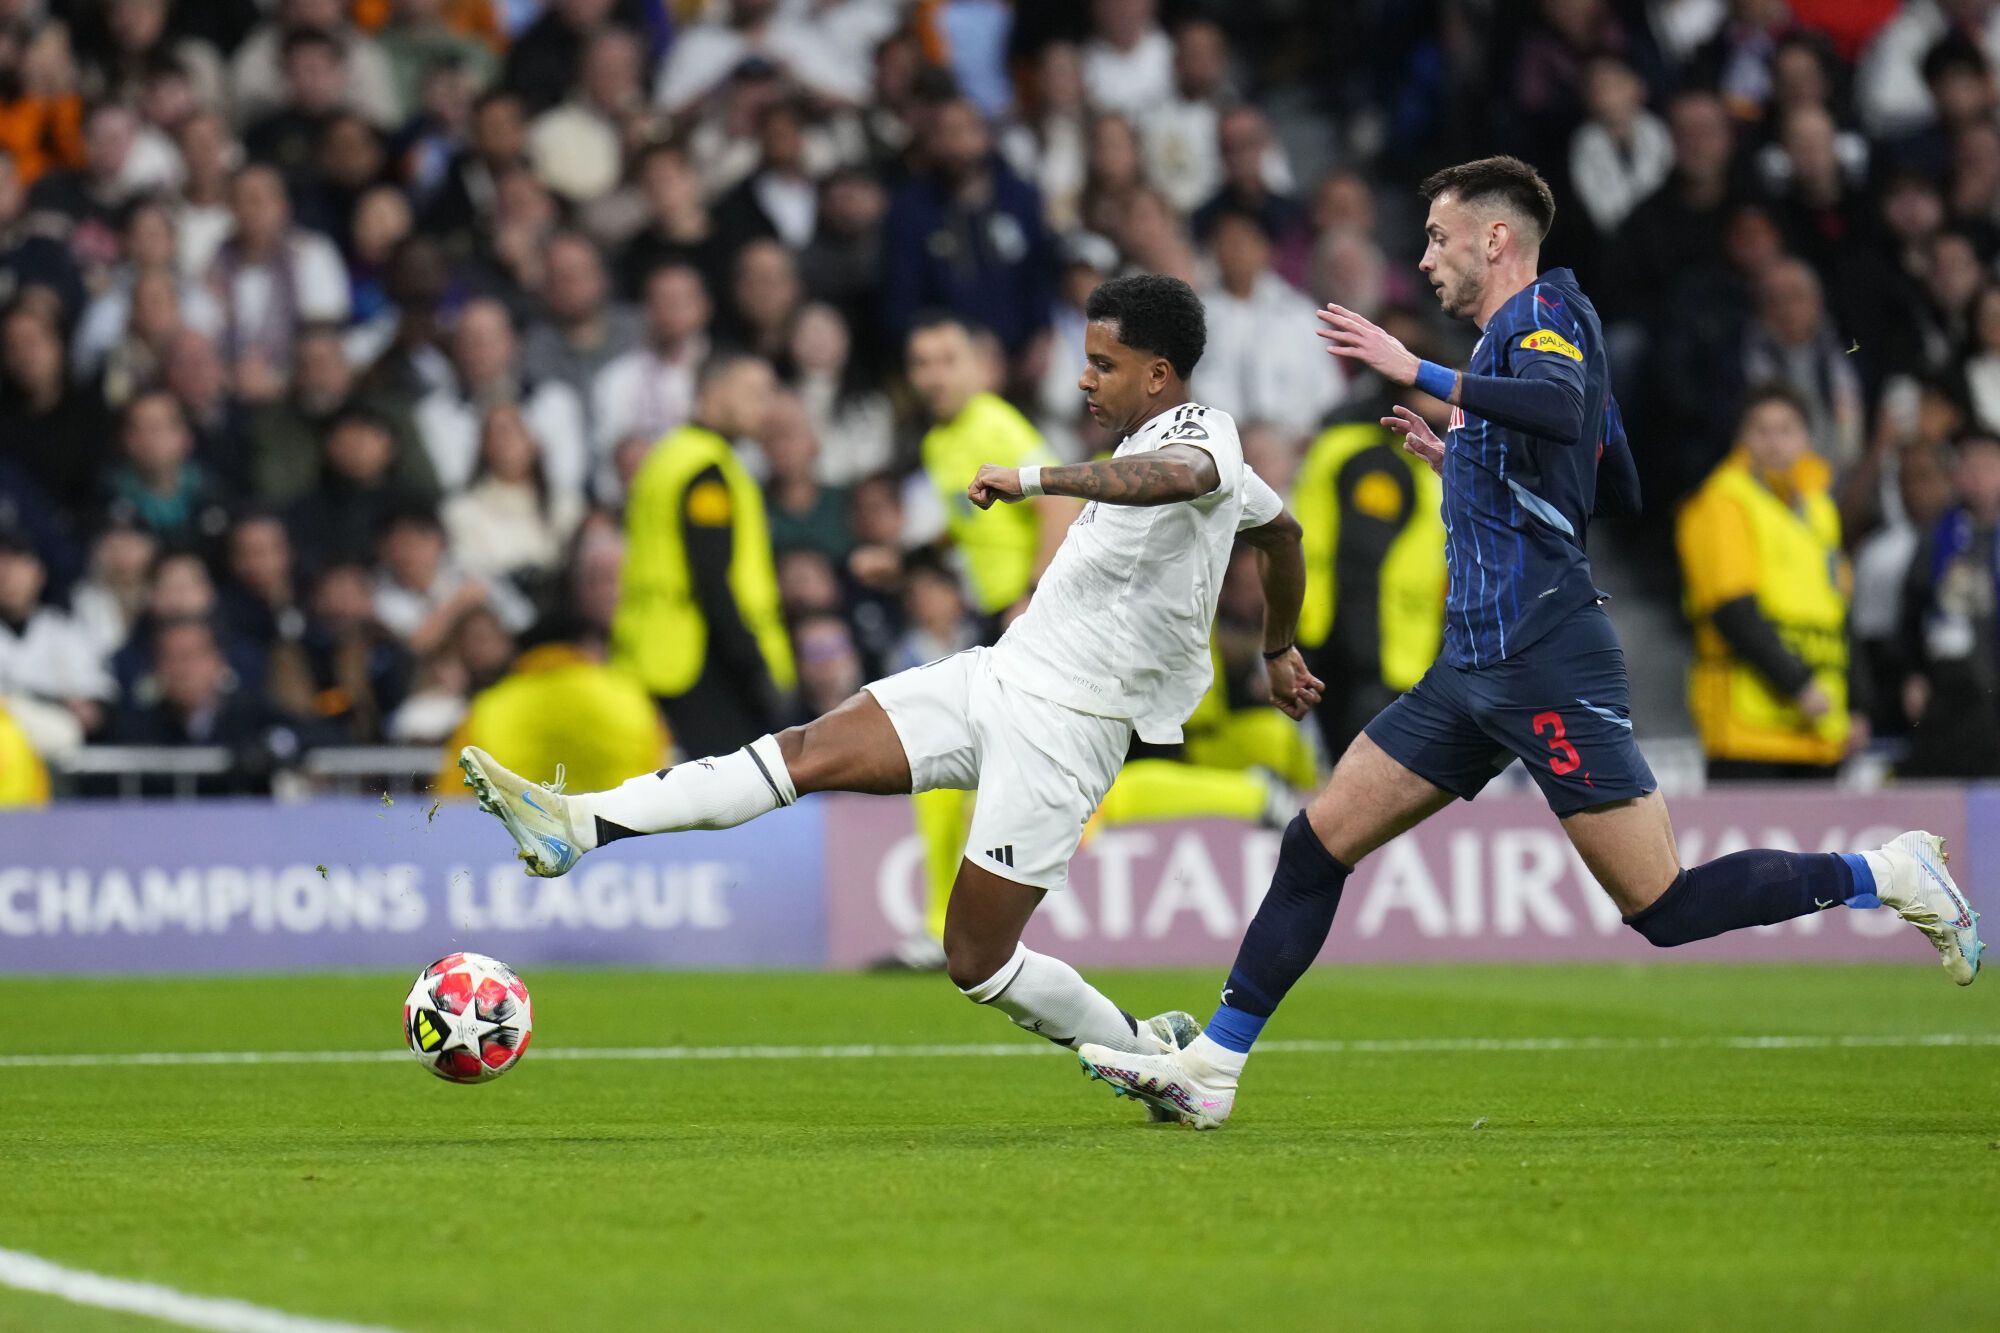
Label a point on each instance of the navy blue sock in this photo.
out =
(1754, 888)
(1283, 939)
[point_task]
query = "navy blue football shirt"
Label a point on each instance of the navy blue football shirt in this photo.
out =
(1516, 500)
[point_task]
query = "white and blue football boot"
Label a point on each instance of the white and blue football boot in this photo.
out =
(1922, 892)
(1173, 1030)
(536, 816)
(1173, 1085)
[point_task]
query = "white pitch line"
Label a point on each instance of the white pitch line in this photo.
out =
(1356, 1046)
(28, 1272)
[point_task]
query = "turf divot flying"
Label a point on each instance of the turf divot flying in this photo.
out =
(28, 1272)
(1306, 1046)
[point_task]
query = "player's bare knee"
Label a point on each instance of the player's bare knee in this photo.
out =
(969, 961)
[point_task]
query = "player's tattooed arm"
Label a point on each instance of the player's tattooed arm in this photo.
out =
(1164, 476)
(1168, 475)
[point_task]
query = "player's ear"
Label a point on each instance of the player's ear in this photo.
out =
(1497, 233)
(1158, 374)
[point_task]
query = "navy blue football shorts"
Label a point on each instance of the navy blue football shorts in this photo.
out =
(1561, 706)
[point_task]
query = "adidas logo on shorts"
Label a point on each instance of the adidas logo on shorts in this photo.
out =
(1004, 855)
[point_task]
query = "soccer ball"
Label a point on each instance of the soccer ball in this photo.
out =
(467, 1018)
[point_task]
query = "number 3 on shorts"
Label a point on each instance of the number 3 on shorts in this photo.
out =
(1566, 760)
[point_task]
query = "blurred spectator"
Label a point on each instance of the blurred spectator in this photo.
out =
(578, 147)
(1820, 205)
(257, 69)
(1258, 366)
(203, 218)
(803, 511)
(346, 670)
(421, 593)
(1951, 622)
(52, 679)
(315, 76)
(200, 703)
(764, 298)
(829, 666)
(197, 379)
(1003, 550)
(778, 198)
(543, 61)
(1087, 260)
(851, 420)
(1115, 171)
(107, 603)
(1048, 145)
(967, 236)
(651, 389)
(843, 265)
(157, 485)
(1373, 615)
(509, 521)
(54, 429)
(1982, 366)
(30, 258)
(114, 318)
(561, 706)
(417, 40)
(1792, 341)
(1128, 67)
(1678, 226)
(707, 53)
(1882, 565)
(336, 522)
(41, 128)
(698, 616)
(271, 277)
(678, 228)
(940, 623)
(88, 200)
(264, 596)
(179, 587)
(1889, 86)
(1768, 591)
(467, 200)
(1623, 152)
(284, 435)
(1245, 136)
(487, 374)
(585, 330)
(596, 562)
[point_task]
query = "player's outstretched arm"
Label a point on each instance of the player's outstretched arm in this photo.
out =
(1172, 475)
(1282, 557)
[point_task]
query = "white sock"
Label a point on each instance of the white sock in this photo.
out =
(1046, 996)
(1879, 867)
(1206, 1057)
(716, 793)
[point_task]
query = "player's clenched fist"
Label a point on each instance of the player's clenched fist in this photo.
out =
(994, 483)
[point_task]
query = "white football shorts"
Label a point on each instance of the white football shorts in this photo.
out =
(1040, 768)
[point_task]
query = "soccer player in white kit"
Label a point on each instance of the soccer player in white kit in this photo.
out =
(1115, 642)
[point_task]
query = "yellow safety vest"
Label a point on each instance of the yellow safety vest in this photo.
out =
(659, 633)
(24, 780)
(998, 544)
(1802, 588)
(556, 706)
(1413, 571)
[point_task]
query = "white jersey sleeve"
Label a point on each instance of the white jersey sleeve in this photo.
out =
(1260, 503)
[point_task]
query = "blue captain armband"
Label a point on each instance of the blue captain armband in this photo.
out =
(1436, 380)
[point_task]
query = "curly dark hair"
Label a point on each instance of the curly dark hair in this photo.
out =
(1154, 314)
(1506, 179)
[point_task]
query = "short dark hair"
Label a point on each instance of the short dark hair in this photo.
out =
(1955, 53)
(1775, 391)
(1155, 314)
(302, 39)
(1507, 180)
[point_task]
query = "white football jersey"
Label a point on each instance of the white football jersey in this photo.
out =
(1119, 625)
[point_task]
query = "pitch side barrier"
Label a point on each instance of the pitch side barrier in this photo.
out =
(232, 885)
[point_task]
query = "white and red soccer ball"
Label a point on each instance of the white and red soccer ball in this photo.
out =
(468, 1018)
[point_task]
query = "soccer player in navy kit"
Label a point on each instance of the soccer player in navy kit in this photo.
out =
(1530, 668)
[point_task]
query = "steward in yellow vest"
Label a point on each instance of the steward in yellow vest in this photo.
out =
(1767, 592)
(1003, 549)
(559, 704)
(1373, 617)
(698, 621)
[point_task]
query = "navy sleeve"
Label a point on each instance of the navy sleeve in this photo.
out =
(1617, 470)
(1544, 398)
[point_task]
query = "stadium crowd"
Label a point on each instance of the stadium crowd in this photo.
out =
(337, 336)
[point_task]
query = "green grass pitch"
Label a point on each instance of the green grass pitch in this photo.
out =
(1692, 1185)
